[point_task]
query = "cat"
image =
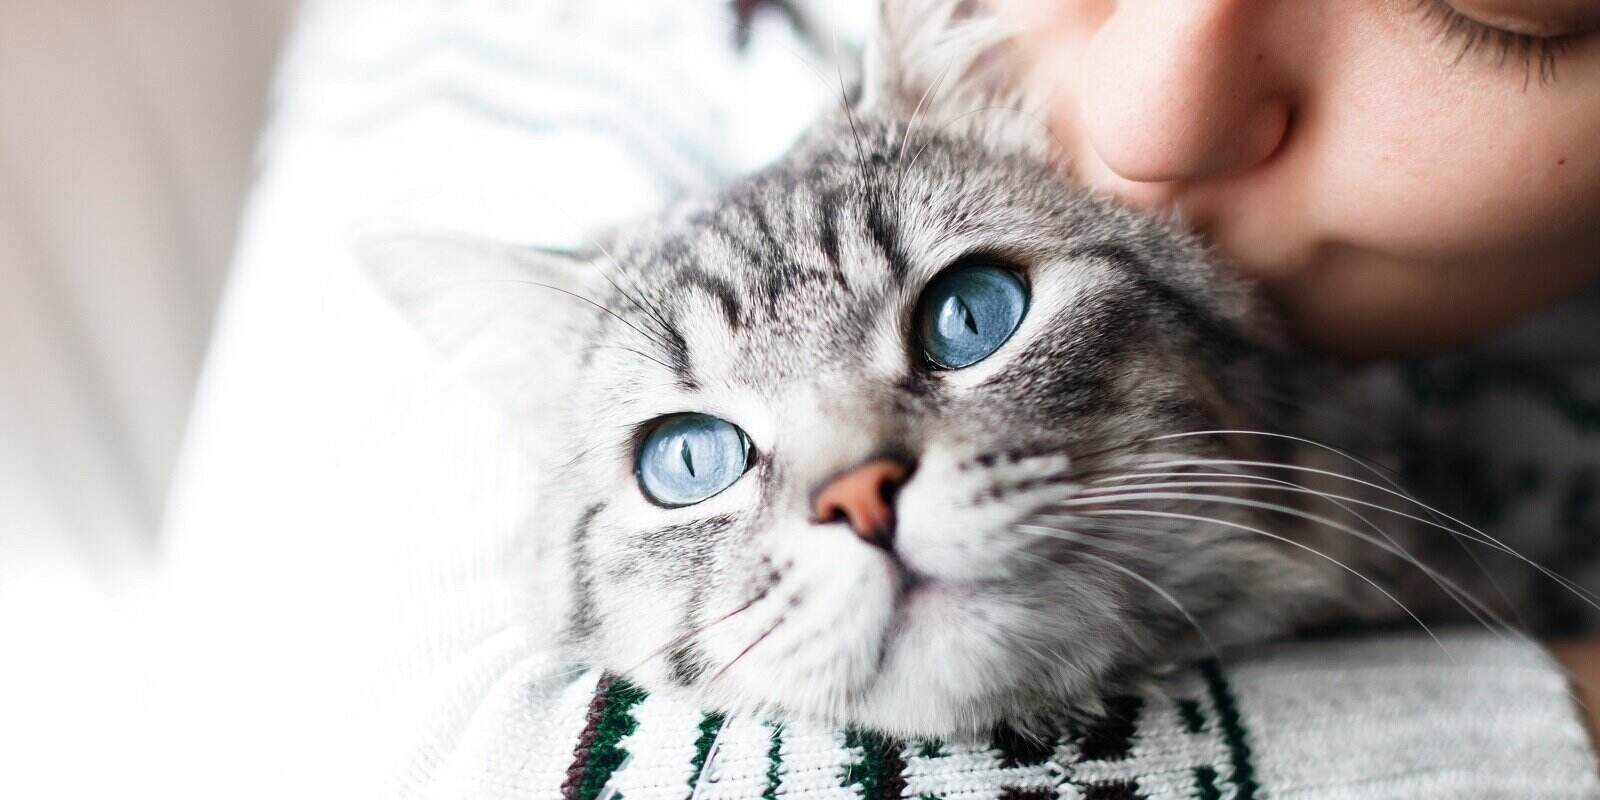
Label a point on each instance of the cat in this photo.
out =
(905, 431)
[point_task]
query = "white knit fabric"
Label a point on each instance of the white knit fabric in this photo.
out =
(1473, 717)
(344, 618)
(1468, 717)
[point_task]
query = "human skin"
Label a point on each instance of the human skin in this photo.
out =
(1395, 187)
(1581, 659)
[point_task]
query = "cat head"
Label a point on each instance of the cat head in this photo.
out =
(835, 443)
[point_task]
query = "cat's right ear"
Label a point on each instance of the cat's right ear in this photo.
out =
(511, 319)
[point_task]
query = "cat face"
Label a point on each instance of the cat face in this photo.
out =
(951, 350)
(827, 445)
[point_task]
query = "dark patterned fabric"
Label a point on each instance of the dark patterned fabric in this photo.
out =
(1506, 437)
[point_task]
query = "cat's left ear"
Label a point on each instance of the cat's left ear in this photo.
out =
(511, 319)
(924, 49)
(950, 62)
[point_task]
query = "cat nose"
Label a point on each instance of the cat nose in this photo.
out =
(864, 495)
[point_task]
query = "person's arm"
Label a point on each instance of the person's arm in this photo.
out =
(1581, 658)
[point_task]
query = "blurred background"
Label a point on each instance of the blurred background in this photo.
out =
(331, 594)
(126, 133)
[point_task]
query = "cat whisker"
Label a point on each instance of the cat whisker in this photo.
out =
(1270, 535)
(1241, 502)
(1106, 527)
(963, 116)
(639, 353)
(1343, 504)
(1260, 483)
(1388, 477)
(1122, 447)
(1071, 536)
(747, 648)
(568, 292)
(684, 637)
(911, 127)
(1369, 465)
(636, 299)
(1077, 536)
(1471, 604)
(850, 117)
(1588, 597)
(1159, 460)
(706, 776)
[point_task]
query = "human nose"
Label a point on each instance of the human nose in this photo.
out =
(1182, 91)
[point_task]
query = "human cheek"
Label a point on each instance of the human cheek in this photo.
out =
(1442, 166)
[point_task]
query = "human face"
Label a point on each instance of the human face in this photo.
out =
(1402, 174)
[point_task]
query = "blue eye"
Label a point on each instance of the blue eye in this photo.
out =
(690, 457)
(968, 312)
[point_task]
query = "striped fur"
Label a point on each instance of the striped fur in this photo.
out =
(784, 304)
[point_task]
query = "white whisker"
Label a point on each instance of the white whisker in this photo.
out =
(1258, 531)
(1220, 499)
(706, 776)
(911, 126)
(1477, 609)
(1400, 492)
(1453, 590)
(1071, 536)
(1484, 538)
(1081, 538)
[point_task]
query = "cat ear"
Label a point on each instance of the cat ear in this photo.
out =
(511, 319)
(951, 62)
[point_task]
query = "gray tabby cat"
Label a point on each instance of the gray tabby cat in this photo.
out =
(904, 431)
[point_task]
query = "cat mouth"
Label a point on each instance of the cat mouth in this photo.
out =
(914, 593)
(919, 603)
(907, 582)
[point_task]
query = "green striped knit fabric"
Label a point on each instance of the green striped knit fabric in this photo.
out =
(626, 743)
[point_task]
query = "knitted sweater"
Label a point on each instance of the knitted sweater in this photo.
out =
(1473, 716)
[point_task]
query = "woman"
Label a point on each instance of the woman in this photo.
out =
(1404, 175)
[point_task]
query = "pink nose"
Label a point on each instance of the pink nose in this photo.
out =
(864, 496)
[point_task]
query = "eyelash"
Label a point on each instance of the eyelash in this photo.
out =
(1474, 36)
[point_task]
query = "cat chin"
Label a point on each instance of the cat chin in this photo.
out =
(936, 704)
(943, 674)
(953, 670)
(914, 710)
